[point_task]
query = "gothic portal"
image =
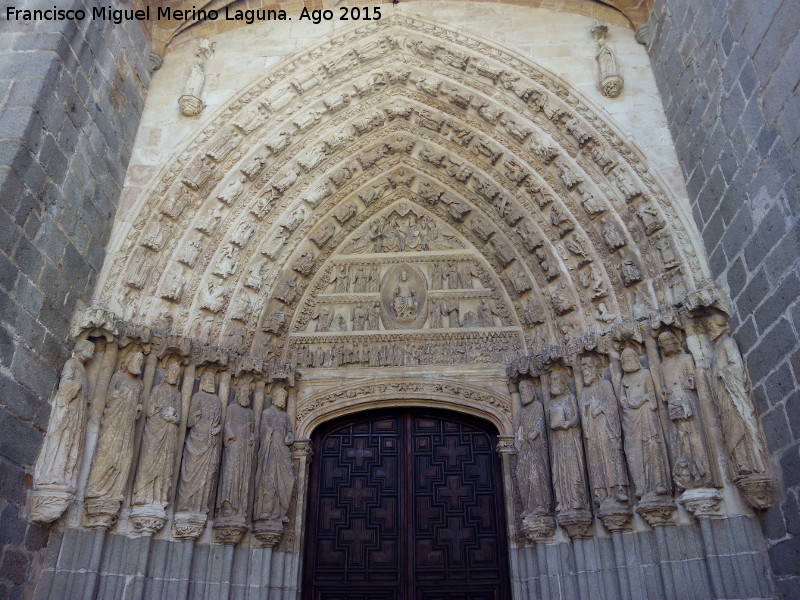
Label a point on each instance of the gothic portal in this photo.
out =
(400, 310)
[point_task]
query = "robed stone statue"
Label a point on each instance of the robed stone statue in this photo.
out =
(114, 453)
(238, 439)
(56, 469)
(159, 441)
(275, 480)
(644, 443)
(201, 451)
(533, 463)
(603, 431)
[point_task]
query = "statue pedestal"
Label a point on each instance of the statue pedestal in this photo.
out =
(101, 512)
(148, 518)
(577, 523)
(189, 525)
(48, 503)
(539, 528)
(657, 510)
(758, 490)
(229, 530)
(703, 503)
(268, 533)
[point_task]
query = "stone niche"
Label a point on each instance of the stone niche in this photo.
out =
(427, 220)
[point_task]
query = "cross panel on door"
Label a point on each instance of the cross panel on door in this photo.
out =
(405, 505)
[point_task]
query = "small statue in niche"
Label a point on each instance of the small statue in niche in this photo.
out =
(276, 478)
(609, 479)
(644, 444)
(731, 390)
(679, 388)
(533, 463)
(56, 469)
(238, 440)
(114, 452)
(200, 453)
(611, 82)
(159, 442)
(190, 102)
(568, 463)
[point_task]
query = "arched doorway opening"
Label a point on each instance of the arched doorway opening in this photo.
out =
(406, 503)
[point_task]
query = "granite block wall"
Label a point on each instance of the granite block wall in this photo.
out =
(728, 73)
(71, 94)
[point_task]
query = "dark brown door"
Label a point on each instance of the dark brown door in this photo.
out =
(406, 505)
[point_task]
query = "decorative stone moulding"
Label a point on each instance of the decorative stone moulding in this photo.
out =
(615, 518)
(190, 106)
(317, 223)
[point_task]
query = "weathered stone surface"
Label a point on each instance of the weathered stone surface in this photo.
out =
(745, 88)
(40, 74)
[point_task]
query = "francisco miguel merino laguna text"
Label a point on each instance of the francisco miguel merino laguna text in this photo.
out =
(118, 15)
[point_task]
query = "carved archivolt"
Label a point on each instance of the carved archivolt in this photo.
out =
(571, 223)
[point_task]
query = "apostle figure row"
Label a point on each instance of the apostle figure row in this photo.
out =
(206, 437)
(624, 443)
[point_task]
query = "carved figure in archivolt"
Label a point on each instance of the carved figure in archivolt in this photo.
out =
(57, 466)
(238, 441)
(644, 443)
(276, 478)
(114, 453)
(679, 387)
(603, 431)
(159, 441)
(533, 462)
(731, 390)
(200, 453)
(568, 463)
(403, 294)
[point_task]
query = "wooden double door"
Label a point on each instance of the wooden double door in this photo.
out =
(406, 505)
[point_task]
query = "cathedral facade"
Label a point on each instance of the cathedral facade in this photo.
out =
(431, 300)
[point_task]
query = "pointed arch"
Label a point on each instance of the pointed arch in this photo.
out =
(567, 213)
